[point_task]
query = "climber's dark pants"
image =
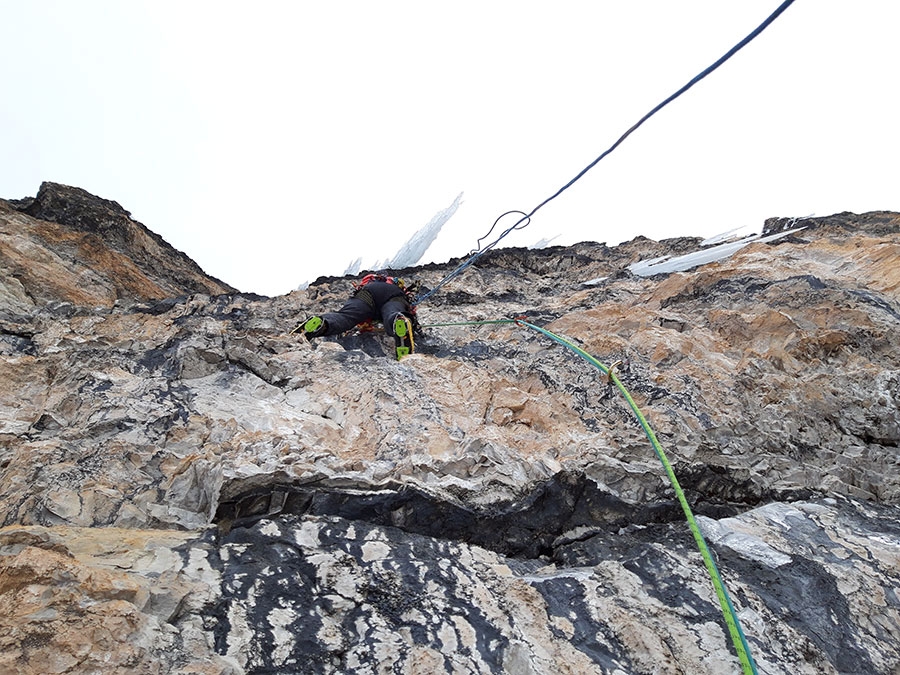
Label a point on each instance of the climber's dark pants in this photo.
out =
(356, 311)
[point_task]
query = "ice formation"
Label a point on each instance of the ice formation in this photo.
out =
(412, 251)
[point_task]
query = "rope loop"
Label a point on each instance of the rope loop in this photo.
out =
(520, 224)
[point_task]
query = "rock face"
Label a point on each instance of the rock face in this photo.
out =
(66, 245)
(189, 488)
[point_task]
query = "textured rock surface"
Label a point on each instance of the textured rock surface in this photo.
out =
(188, 488)
(66, 245)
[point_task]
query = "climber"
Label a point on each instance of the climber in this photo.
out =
(377, 298)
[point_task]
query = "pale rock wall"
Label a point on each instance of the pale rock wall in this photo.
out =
(189, 488)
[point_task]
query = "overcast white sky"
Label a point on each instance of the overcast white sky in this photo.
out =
(274, 142)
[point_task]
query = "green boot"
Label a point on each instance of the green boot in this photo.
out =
(314, 326)
(403, 336)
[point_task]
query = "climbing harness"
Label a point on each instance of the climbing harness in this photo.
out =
(397, 281)
(526, 217)
(409, 294)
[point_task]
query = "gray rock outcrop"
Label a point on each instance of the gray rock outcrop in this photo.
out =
(66, 245)
(189, 488)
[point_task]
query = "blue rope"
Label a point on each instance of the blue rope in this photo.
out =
(526, 218)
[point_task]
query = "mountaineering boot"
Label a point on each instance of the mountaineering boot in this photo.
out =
(403, 336)
(314, 326)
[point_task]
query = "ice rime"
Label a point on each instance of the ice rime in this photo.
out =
(353, 268)
(413, 250)
(543, 243)
(707, 254)
(730, 236)
(664, 265)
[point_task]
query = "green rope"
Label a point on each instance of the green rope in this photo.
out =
(731, 619)
(469, 323)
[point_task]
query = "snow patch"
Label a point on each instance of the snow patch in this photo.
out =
(667, 264)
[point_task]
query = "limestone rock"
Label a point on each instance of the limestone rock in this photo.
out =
(67, 245)
(189, 488)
